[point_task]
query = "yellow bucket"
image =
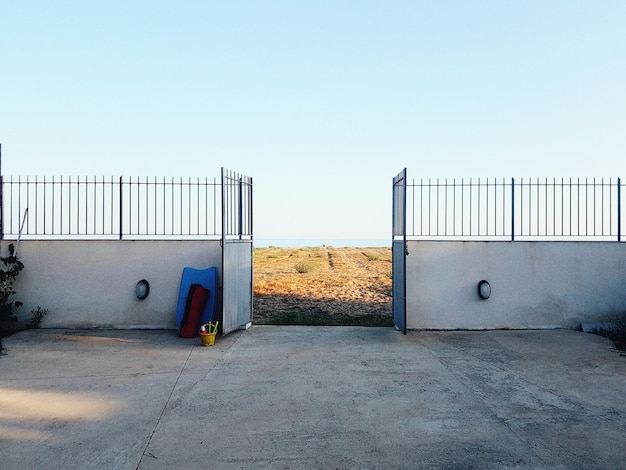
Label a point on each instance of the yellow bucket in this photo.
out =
(208, 339)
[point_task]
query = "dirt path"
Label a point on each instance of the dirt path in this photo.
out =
(322, 285)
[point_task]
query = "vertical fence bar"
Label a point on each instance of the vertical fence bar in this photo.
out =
(429, 207)
(421, 186)
(27, 202)
(445, 212)
(138, 204)
(610, 206)
(214, 204)
(470, 208)
(545, 195)
(11, 207)
(164, 204)
(251, 204)
(570, 206)
(86, 205)
(578, 205)
(601, 206)
(462, 207)
(437, 215)
(121, 219)
(36, 203)
(619, 209)
(487, 208)
(503, 190)
(197, 205)
(478, 209)
(77, 184)
(223, 208)
(586, 208)
(61, 204)
(103, 205)
(240, 208)
(53, 199)
(155, 206)
(44, 205)
(512, 209)
(538, 200)
(554, 205)
(453, 206)
(562, 207)
(147, 206)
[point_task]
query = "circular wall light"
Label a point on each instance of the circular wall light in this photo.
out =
(142, 289)
(484, 290)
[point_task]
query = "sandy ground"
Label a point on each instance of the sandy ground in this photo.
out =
(342, 283)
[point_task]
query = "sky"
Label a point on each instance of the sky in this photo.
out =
(321, 102)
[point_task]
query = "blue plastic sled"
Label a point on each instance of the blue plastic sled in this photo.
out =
(207, 278)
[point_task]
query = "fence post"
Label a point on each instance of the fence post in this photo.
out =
(512, 209)
(223, 188)
(619, 210)
(250, 212)
(240, 207)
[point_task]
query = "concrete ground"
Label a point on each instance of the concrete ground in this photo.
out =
(312, 397)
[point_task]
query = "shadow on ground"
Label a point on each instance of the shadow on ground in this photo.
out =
(296, 310)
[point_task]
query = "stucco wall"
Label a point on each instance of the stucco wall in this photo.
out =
(92, 283)
(534, 284)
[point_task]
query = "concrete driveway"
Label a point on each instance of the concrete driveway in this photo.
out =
(312, 397)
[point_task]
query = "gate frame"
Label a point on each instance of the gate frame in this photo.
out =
(399, 251)
(237, 246)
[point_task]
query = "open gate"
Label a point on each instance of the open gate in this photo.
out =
(237, 251)
(399, 251)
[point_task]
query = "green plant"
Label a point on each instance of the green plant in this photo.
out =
(7, 277)
(372, 256)
(37, 316)
(303, 268)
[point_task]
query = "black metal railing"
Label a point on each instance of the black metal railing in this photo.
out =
(526, 208)
(237, 204)
(130, 208)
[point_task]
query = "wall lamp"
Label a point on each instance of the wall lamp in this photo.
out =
(484, 290)
(142, 289)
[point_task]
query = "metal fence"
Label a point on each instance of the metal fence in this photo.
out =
(526, 208)
(237, 205)
(126, 208)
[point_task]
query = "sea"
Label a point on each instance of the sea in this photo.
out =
(334, 242)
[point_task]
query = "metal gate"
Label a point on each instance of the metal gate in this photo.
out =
(237, 251)
(399, 251)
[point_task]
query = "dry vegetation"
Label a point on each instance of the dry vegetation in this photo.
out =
(322, 286)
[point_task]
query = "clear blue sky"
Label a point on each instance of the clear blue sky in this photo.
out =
(321, 102)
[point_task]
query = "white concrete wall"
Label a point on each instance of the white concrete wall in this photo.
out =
(92, 283)
(534, 284)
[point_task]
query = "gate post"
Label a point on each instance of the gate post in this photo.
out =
(399, 251)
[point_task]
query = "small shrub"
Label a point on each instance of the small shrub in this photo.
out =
(7, 277)
(372, 256)
(37, 315)
(303, 268)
